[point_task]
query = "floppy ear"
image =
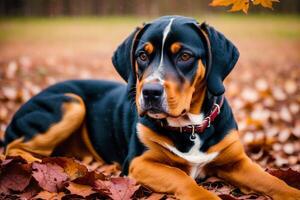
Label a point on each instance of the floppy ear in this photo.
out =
(123, 58)
(223, 57)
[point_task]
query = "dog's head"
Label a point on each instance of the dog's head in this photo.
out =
(171, 62)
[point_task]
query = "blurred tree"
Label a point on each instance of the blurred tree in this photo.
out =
(121, 7)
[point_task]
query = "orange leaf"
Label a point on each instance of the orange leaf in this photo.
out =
(82, 190)
(49, 195)
(237, 5)
(222, 2)
(119, 187)
(71, 167)
(265, 3)
(240, 5)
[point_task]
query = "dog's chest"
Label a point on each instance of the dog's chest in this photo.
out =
(196, 159)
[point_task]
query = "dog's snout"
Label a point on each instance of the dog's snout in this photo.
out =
(152, 91)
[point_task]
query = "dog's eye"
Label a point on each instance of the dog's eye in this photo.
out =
(185, 56)
(143, 56)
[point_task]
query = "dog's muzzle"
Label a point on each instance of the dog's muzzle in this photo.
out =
(152, 98)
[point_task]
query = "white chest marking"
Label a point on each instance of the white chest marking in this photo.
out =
(194, 156)
(189, 119)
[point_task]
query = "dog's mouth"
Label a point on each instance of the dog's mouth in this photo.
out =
(154, 112)
(157, 113)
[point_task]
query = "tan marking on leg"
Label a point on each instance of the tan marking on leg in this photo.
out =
(44, 143)
(249, 176)
(88, 143)
(235, 166)
(148, 169)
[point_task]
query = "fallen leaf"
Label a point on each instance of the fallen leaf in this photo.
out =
(14, 177)
(11, 70)
(30, 191)
(89, 178)
(78, 189)
(10, 93)
(45, 195)
(119, 188)
(50, 177)
(70, 166)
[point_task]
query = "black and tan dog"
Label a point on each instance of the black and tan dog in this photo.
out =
(181, 127)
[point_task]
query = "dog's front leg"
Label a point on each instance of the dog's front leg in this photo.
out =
(160, 177)
(249, 176)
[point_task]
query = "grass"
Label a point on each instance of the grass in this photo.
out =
(77, 28)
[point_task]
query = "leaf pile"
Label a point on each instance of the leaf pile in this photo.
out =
(243, 5)
(267, 110)
(66, 178)
(60, 178)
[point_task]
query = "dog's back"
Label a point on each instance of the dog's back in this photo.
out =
(104, 105)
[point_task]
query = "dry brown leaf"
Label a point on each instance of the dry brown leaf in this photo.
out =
(78, 189)
(45, 195)
(70, 166)
(50, 177)
(11, 70)
(119, 188)
(14, 177)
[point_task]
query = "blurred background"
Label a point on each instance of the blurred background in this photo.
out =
(46, 41)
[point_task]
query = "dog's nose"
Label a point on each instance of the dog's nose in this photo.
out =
(152, 91)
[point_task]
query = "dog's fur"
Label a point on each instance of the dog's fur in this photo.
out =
(174, 68)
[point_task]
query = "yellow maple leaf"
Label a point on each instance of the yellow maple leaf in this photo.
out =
(265, 3)
(222, 2)
(237, 5)
(240, 5)
(243, 5)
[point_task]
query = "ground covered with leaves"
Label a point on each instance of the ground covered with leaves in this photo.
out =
(263, 91)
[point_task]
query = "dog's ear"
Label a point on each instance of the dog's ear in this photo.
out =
(222, 57)
(123, 58)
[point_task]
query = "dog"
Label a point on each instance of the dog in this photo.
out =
(170, 123)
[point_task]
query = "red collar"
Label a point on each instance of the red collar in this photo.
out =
(198, 128)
